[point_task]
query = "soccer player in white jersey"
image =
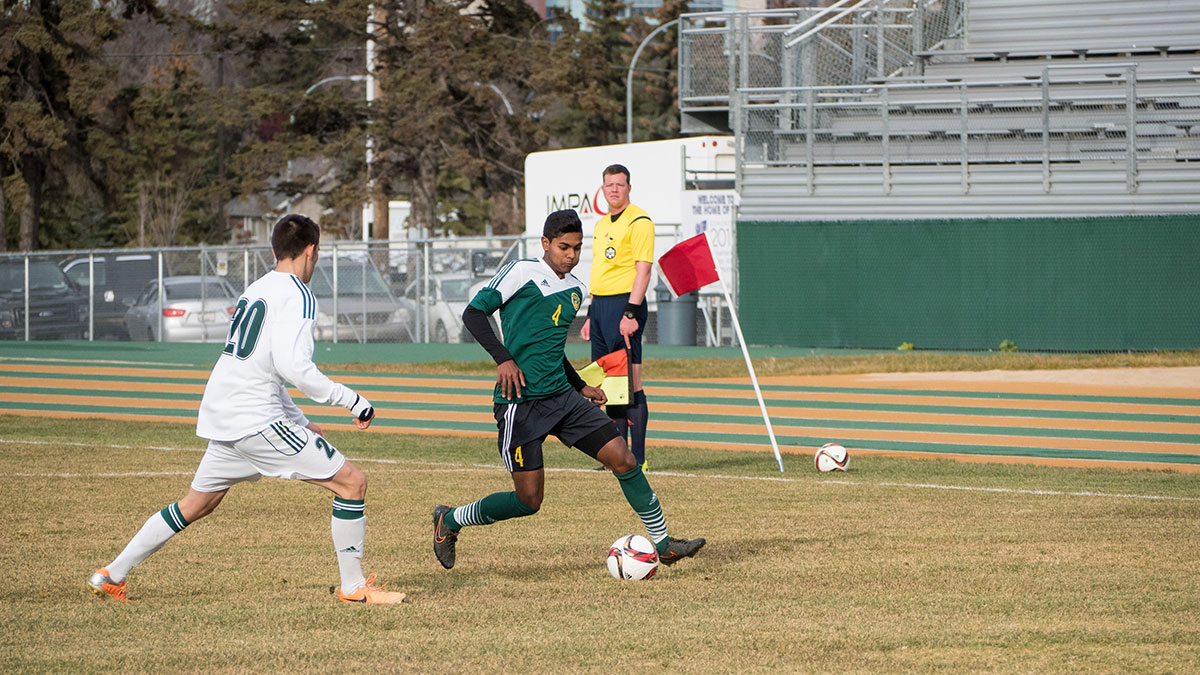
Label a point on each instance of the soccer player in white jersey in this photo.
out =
(255, 429)
(538, 393)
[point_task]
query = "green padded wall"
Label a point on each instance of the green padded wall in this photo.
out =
(1081, 284)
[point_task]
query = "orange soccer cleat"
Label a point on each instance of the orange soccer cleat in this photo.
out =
(370, 594)
(102, 585)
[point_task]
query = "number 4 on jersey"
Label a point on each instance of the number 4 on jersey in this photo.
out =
(247, 324)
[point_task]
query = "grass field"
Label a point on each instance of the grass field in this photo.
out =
(897, 565)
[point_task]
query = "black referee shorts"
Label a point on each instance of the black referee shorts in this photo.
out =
(605, 314)
(576, 421)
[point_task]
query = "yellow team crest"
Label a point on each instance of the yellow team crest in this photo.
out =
(575, 300)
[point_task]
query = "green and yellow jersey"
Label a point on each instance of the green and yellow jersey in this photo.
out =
(536, 310)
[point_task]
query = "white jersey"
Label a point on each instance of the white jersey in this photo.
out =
(270, 343)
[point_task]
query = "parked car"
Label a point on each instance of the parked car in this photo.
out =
(57, 307)
(366, 310)
(119, 278)
(196, 309)
(448, 297)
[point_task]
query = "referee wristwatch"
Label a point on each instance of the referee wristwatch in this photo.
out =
(629, 309)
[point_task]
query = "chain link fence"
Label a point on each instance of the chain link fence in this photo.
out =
(839, 43)
(720, 52)
(855, 43)
(367, 292)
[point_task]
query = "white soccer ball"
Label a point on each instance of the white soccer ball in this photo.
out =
(632, 557)
(831, 457)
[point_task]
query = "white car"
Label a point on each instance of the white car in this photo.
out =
(366, 310)
(448, 297)
(196, 309)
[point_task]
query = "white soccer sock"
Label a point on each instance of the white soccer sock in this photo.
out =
(349, 528)
(159, 528)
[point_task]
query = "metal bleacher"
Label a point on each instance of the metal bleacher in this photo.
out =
(995, 107)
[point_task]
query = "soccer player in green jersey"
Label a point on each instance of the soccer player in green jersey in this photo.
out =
(539, 393)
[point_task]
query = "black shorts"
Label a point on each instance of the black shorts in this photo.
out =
(605, 314)
(576, 421)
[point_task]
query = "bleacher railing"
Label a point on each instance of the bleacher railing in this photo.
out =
(1068, 114)
(720, 52)
(847, 42)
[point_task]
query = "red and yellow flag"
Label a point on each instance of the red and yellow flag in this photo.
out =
(611, 374)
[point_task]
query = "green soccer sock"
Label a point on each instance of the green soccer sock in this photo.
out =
(645, 504)
(492, 508)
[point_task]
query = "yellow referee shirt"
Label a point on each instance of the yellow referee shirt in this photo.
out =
(616, 246)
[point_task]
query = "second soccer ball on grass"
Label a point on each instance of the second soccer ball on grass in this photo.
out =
(632, 557)
(831, 457)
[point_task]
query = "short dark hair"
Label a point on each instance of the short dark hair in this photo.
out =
(560, 223)
(293, 233)
(614, 169)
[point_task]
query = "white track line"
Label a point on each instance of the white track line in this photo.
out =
(455, 467)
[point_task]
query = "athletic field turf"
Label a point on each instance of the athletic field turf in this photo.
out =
(897, 565)
(1015, 565)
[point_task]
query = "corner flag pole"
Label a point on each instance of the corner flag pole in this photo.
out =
(690, 265)
(753, 378)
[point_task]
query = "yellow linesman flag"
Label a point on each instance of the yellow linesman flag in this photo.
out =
(611, 374)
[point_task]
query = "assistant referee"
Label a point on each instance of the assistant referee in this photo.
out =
(622, 253)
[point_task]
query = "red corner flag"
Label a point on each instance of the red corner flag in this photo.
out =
(689, 265)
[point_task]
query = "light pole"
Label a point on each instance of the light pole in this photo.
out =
(629, 79)
(335, 78)
(507, 106)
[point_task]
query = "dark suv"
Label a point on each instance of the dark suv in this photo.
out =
(119, 278)
(57, 307)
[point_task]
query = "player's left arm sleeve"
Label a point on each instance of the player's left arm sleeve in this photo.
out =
(573, 377)
(641, 240)
(292, 350)
(476, 322)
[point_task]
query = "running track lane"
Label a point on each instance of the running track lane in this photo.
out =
(1045, 423)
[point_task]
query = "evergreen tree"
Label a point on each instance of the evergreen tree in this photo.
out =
(126, 122)
(459, 97)
(302, 143)
(656, 79)
(592, 112)
(172, 148)
(64, 110)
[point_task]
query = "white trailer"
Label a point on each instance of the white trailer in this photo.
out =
(660, 171)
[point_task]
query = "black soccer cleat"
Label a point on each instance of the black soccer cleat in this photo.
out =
(443, 537)
(678, 549)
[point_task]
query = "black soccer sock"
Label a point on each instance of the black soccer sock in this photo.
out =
(619, 414)
(637, 415)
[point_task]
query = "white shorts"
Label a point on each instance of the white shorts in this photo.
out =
(282, 450)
